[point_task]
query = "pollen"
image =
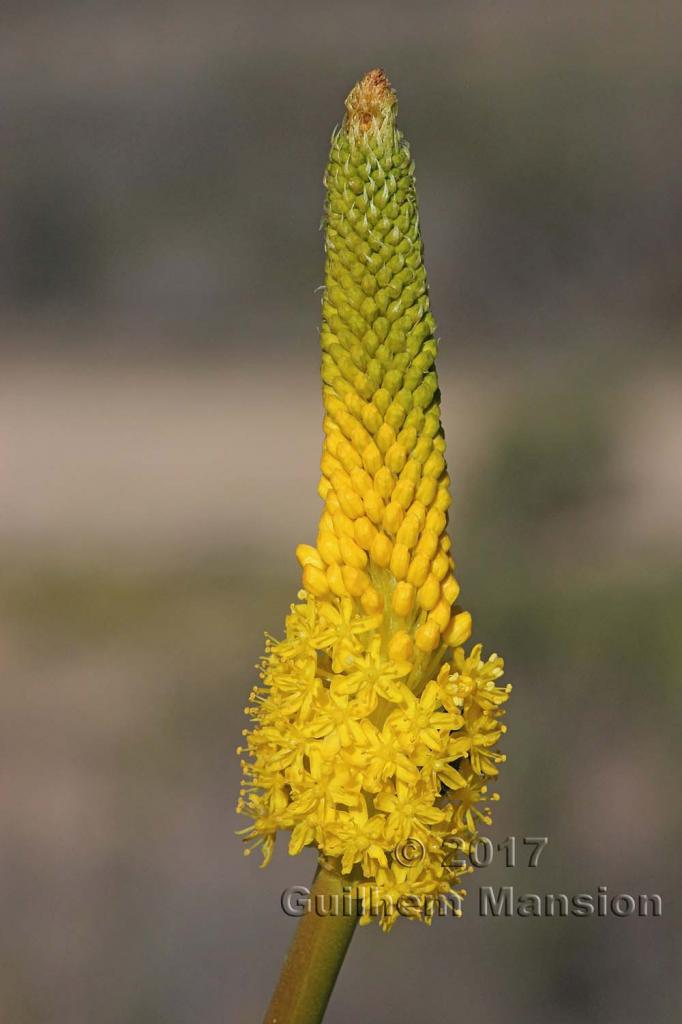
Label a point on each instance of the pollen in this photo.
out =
(370, 724)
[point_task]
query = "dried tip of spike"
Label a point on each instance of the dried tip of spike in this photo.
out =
(370, 102)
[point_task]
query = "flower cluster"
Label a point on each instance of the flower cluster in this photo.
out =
(371, 726)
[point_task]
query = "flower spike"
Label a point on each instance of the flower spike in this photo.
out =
(371, 727)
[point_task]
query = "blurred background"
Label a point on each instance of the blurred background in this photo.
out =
(160, 196)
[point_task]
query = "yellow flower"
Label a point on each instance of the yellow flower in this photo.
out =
(410, 811)
(359, 838)
(371, 725)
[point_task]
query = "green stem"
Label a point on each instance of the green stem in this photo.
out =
(316, 953)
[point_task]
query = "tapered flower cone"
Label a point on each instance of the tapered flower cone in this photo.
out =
(373, 732)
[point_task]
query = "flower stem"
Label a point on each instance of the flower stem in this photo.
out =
(316, 953)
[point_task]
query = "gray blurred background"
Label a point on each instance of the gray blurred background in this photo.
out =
(160, 196)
